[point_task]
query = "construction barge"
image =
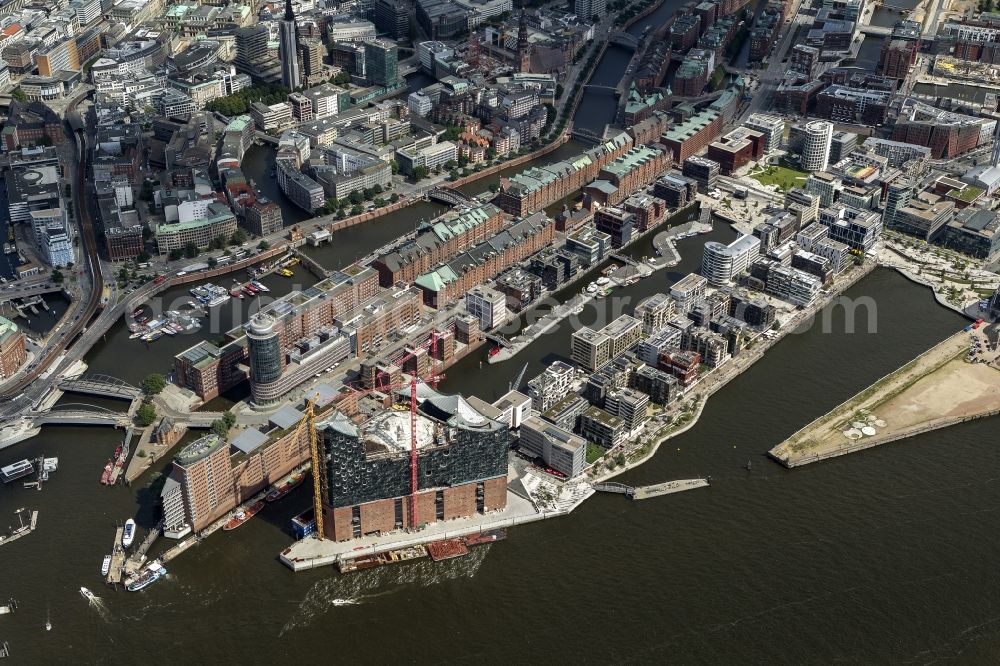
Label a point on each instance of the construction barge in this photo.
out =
(444, 549)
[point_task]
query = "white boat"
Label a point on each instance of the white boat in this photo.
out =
(591, 288)
(602, 281)
(152, 573)
(50, 464)
(87, 594)
(129, 533)
(106, 565)
(260, 286)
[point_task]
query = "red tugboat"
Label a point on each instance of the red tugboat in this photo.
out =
(243, 515)
(287, 485)
(494, 351)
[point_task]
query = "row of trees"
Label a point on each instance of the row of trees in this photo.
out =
(239, 102)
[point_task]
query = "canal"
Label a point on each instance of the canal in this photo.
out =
(878, 557)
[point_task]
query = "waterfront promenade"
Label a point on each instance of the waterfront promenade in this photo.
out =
(943, 386)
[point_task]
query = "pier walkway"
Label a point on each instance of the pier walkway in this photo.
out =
(645, 492)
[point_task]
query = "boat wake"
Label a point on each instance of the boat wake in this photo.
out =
(359, 587)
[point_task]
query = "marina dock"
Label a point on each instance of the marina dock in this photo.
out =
(18, 532)
(117, 558)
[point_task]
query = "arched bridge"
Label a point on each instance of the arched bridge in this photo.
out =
(105, 386)
(448, 196)
(586, 135)
(79, 414)
(624, 39)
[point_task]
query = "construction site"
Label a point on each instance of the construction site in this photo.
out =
(955, 381)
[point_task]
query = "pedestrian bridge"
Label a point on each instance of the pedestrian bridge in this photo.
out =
(587, 136)
(624, 39)
(105, 386)
(448, 196)
(874, 30)
(612, 487)
(79, 414)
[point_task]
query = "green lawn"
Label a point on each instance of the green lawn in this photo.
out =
(594, 452)
(783, 177)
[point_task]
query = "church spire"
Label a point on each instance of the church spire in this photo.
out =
(289, 14)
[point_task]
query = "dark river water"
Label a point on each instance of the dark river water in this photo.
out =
(884, 556)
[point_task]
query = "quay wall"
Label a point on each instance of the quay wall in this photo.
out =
(871, 442)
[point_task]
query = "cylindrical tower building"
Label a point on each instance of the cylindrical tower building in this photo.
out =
(264, 348)
(816, 147)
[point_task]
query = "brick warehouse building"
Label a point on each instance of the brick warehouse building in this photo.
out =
(538, 187)
(450, 281)
(461, 460)
(438, 241)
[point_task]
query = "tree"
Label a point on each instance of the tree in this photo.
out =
(143, 257)
(420, 172)
(191, 250)
(147, 233)
(212, 262)
(356, 197)
(394, 198)
(175, 254)
(229, 418)
(239, 237)
(263, 245)
(394, 165)
(379, 202)
(123, 274)
(18, 94)
(145, 415)
(57, 276)
(356, 209)
(220, 428)
(153, 384)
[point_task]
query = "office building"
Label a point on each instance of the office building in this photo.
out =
(630, 406)
(702, 170)
(488, 305)
(815, 154)
(772, 127)
(392, 17)
(594, 349)
(381, 63)
(606, 430)
(688, 290)
(558, 448)
(720, 264)
(588, 9)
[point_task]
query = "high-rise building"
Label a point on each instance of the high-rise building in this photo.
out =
(588, 9)
(311, 54)
(816, 145)
(382, 63)
(392, 17)
(288, 49)
(264, 347)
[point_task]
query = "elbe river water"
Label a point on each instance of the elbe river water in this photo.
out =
(884, 556)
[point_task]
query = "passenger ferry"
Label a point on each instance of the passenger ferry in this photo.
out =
(152, 573)
(16, 470)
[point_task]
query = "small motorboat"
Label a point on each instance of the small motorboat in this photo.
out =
(128, 534)
(106, 565)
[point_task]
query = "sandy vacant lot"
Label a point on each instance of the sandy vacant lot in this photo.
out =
(937, 388)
